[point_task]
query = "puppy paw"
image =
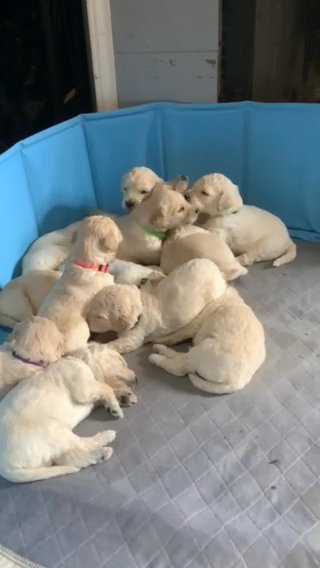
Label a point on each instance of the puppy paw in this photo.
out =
(158, 348)
(116, 411)
(104, 438)
(107, 453)
(156, 359)
(245, 260)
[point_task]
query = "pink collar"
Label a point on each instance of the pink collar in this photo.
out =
(97, 267)
(40, 363)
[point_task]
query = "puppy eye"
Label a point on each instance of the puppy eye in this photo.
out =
(187, 197)
(181, 209)
(205, 193)
(124, 189)
(143, 191)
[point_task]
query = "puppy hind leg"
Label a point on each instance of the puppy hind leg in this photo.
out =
(88, 451)
(175, 365)
(263, 250)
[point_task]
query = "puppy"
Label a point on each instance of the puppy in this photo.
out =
(253, 234)
(145, 227)
(22, 297)
(83, 277)
(191, 242)
(37, 418)
(116, 308)
(33, 345)
(136, 186)
(228, 347)
(168, 305)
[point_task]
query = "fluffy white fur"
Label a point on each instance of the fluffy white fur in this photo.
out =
(97, 243)
(37, 418)
(170, 304)
(136, 186)
(22, 297)
(50, 251)
(253, 234)
(228, 347)
(190, 242)
(36, 339)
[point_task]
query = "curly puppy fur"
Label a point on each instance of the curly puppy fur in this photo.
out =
(97, 243)
(36, 339)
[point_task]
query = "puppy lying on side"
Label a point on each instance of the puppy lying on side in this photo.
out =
(83, 277)
(167, 306)
(37, 418)
(253, 234)
(22, 297)
(229, 346)
(33, 345)
(194, 242)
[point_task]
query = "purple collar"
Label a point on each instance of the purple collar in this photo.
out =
(41, 364)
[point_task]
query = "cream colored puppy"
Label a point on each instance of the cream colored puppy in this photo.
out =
(22, 297)
(37, 418)
(191, 242)
(83, 277)
(229, 347)
(170, 304)
(33, 345)
(253, 234)
(136, 186)
(115, 308)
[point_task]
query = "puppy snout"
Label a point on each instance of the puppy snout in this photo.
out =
(129, 204)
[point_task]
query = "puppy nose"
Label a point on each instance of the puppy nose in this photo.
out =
(129, 204)
(196, 210)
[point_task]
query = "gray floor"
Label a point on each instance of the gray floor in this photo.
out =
(199, 481)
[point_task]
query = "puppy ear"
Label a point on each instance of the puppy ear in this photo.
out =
(159, 217)
(111, 239)
(230, 200)
(179, 184)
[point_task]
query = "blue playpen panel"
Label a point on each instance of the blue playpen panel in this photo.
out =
(271, 150)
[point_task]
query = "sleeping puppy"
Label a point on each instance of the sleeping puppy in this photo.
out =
(37, 418)
(228, 347)
(33, 345)
(83, 277)
(22, 297)
(253, 234)
(167, 306)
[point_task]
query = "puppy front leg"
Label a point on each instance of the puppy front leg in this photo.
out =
(94, 392)
(127, 342)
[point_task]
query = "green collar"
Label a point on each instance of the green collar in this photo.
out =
(154, 232)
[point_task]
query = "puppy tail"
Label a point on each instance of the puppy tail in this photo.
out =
(210, 387)
(27, 475)
(288, 256)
